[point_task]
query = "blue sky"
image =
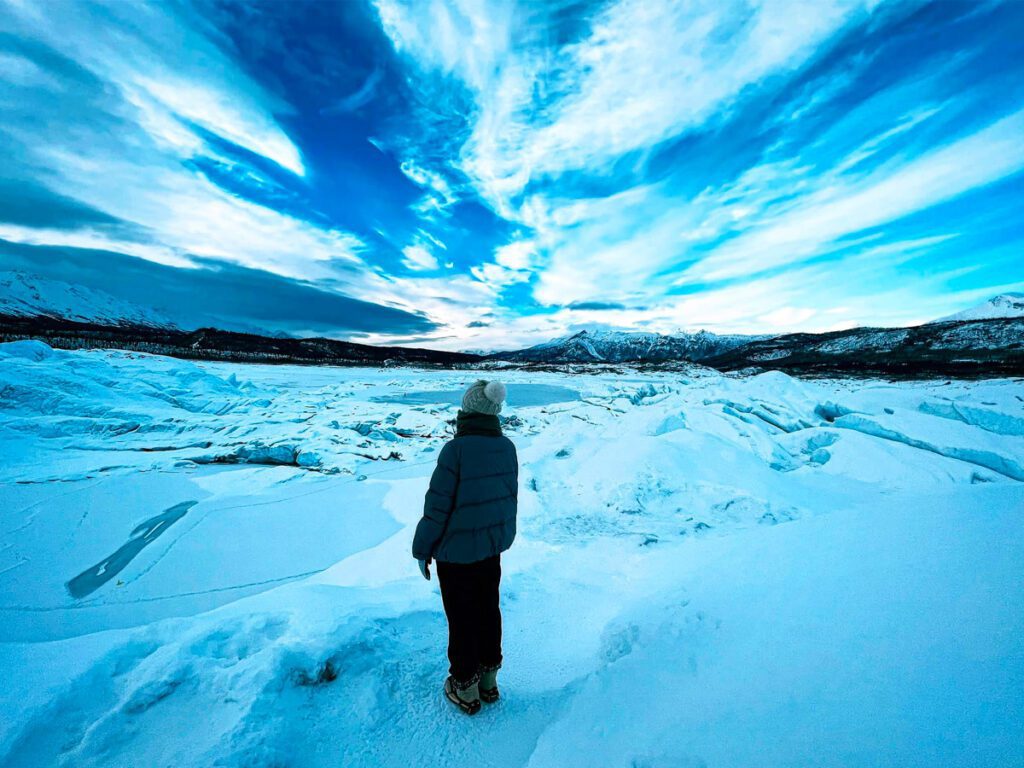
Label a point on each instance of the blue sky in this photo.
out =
(486, 174)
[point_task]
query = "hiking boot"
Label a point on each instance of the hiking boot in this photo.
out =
(488, 684)
(466, 696)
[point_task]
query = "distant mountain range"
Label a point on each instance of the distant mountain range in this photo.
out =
(982, 341)
(24, 295)
(72, 317)
(986, 339)
(981, 347)
(602, 346)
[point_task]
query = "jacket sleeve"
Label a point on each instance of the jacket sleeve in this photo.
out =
(438, 504)
(515, 461)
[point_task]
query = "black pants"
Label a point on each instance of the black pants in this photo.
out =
(469, 592)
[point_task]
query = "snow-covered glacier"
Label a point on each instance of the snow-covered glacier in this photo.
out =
(209, 565)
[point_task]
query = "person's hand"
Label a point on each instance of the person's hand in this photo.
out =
(425, 568)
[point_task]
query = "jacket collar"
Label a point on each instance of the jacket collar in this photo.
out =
(473, 423)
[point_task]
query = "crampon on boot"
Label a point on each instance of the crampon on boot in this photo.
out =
(488, 684)
(466, 696)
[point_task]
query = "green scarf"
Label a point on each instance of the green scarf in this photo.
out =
(473, 423)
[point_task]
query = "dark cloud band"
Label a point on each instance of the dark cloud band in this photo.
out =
(219, 294)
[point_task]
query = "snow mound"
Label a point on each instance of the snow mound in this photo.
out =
(115, 409)
(27, 349)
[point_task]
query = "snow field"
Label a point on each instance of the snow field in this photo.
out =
(710, 571)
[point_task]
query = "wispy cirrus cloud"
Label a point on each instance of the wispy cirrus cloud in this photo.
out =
(124, 116)
(417, 258)
(544, 109)
(490, 173)
(816, 220)
(125, 109)
(666, 155)
(137, 49)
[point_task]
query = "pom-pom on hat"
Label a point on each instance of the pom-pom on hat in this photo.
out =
(484, 397)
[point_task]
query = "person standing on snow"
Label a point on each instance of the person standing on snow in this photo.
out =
(469, 519)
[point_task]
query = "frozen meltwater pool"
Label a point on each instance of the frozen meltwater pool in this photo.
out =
(519, 396)
(91, 579)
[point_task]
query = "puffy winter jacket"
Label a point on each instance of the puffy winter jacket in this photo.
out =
(469, 513)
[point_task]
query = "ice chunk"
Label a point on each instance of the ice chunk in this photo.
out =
(27, 349)
(946, 438)
(991, 419)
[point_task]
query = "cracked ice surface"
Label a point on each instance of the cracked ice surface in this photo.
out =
(710, 570)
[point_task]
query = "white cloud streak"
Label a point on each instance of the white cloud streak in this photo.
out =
(138, 49)
(125, 148)
(889, 193)
(417, 258)
(645, 72)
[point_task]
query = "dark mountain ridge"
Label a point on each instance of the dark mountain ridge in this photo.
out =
(986, 340)
(964, 348)
(603, 346)
(215, 344)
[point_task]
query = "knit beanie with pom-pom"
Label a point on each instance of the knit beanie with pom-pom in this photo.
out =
(484, 397)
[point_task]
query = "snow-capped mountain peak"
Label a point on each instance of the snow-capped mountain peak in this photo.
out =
(25, 295)
(615, 346)
(1003, 305)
